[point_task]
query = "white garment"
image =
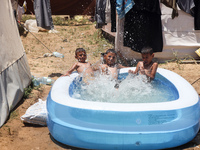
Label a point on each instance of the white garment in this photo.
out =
(20, 12)
(108, 12)
(20, 9)
(119, 41)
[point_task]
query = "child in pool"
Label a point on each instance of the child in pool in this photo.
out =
(81, 66)
(147, 66)
(110, 66)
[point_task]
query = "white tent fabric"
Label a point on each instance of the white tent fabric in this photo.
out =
(179, 37)
(15, 72)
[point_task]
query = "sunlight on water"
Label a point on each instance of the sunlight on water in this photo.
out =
(132, 89)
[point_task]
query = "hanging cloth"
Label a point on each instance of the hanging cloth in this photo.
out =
(187, 6)
(191, 7)
(43, 16)
(171, 4)
(100, 13)
(108, 12)
(113, 15)
(142, 26)
(197, 15)
(123, 6)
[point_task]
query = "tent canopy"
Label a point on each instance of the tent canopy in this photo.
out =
(15, 73)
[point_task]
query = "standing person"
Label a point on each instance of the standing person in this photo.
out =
(147, 66)
(82, 67)
(42, 9)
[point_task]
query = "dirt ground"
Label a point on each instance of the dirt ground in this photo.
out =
(15, 135)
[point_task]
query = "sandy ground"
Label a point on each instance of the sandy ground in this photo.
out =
(15, 135)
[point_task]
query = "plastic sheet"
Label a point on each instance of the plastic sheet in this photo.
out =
(31, 26)
(36, 114)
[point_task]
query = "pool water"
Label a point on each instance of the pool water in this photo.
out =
(132, 89)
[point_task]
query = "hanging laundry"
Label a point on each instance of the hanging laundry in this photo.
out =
(187, 6)
(18, 10)
(123, 6)
(171, 4)
(43, 16)
(21, 10)
(191, 7)
(113, 15)
(197, 15)
(100, 13)
(142, 26)
(108, 11)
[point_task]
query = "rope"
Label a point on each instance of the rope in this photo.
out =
(35, 36)
(64, 40)
(195, 81)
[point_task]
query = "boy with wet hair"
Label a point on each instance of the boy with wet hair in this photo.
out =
(81, 66)
(110, 65)
(147, 66)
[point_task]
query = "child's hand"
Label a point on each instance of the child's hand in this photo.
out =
(63, 75)
(131, 71)
(67, 74)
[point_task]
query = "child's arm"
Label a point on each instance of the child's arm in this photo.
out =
(152, 74)
(119, 66)
(95, 68)
(136, 70)
(74, 67)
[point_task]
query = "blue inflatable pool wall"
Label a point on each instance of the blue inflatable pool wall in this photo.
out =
(95, 125)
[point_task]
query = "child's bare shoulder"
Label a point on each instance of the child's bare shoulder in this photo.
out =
(155, 63)
(103, 66)
(89, 63)
(79, 64)
(76, 63)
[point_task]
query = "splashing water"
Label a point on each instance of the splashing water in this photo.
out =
(132, 89)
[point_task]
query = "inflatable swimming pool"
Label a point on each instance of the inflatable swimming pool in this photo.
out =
(100, 125)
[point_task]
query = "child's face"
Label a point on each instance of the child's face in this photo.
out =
(110, 59)
(81, 56)
(147, 58)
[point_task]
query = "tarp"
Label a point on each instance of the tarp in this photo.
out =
(66, 7)
(15, 73)
(180, 39)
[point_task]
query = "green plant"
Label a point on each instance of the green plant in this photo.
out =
(27, 91)
(99, 42)
(14, 114)
(37, 87)
(58, 21)
(27, 17)
(176, 59)
(9, 131)
(33, 47)
(188, 57)
(83, 28)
